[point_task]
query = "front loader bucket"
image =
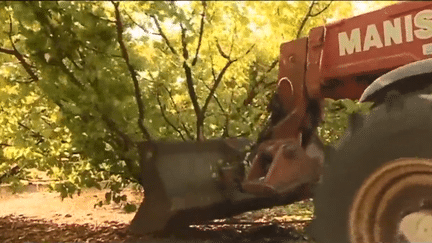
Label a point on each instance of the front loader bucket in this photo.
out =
(186, 183)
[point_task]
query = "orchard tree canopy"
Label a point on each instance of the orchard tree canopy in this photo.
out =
(83, 82)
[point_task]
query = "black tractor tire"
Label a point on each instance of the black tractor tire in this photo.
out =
(399, 128)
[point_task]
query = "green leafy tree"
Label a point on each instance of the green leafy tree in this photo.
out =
(89, 81)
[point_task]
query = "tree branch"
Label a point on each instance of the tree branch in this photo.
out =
(247, 52)
(132, 72)
(44, 20)
(40, 138)
(252, 92)
(18, 55)
(188, 73)
(273, 65)
(127, 145)
(140, 26)
(75, 64)
(308, 15)
(215, 85)
(183, 41)
(28, 81)
(194, 98)
(127, 142)
(322, 10)
(304, 20)
(190, 85)
(100, 52)
(191, 89)
(219, 79)
(163, 35)
(216, 99)
(171, 98)
(221, 52)
(232, 39)
(212, 68)
(7, 51)
(70, 75)
(186, 130)
(200, 34)
(162, 109)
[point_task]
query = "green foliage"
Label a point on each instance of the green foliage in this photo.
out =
(71, 105)
(336, 117)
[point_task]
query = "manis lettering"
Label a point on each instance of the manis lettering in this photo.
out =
(419, 27)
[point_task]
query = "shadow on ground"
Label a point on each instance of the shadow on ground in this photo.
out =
(25, 229)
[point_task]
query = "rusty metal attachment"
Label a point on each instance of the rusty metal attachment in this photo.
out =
(284, 161)
(190, 182)
(281, 166)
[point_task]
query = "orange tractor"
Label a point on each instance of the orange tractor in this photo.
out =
(374, 186)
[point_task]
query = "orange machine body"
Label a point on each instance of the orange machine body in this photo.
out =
(339, 60)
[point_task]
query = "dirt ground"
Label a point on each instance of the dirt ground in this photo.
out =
(40, 216)
(79, 209)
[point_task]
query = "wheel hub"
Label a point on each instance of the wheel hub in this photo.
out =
(417, 227)
(390, 204)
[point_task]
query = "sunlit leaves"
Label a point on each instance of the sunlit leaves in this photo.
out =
(336, 117)
(79, 121)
